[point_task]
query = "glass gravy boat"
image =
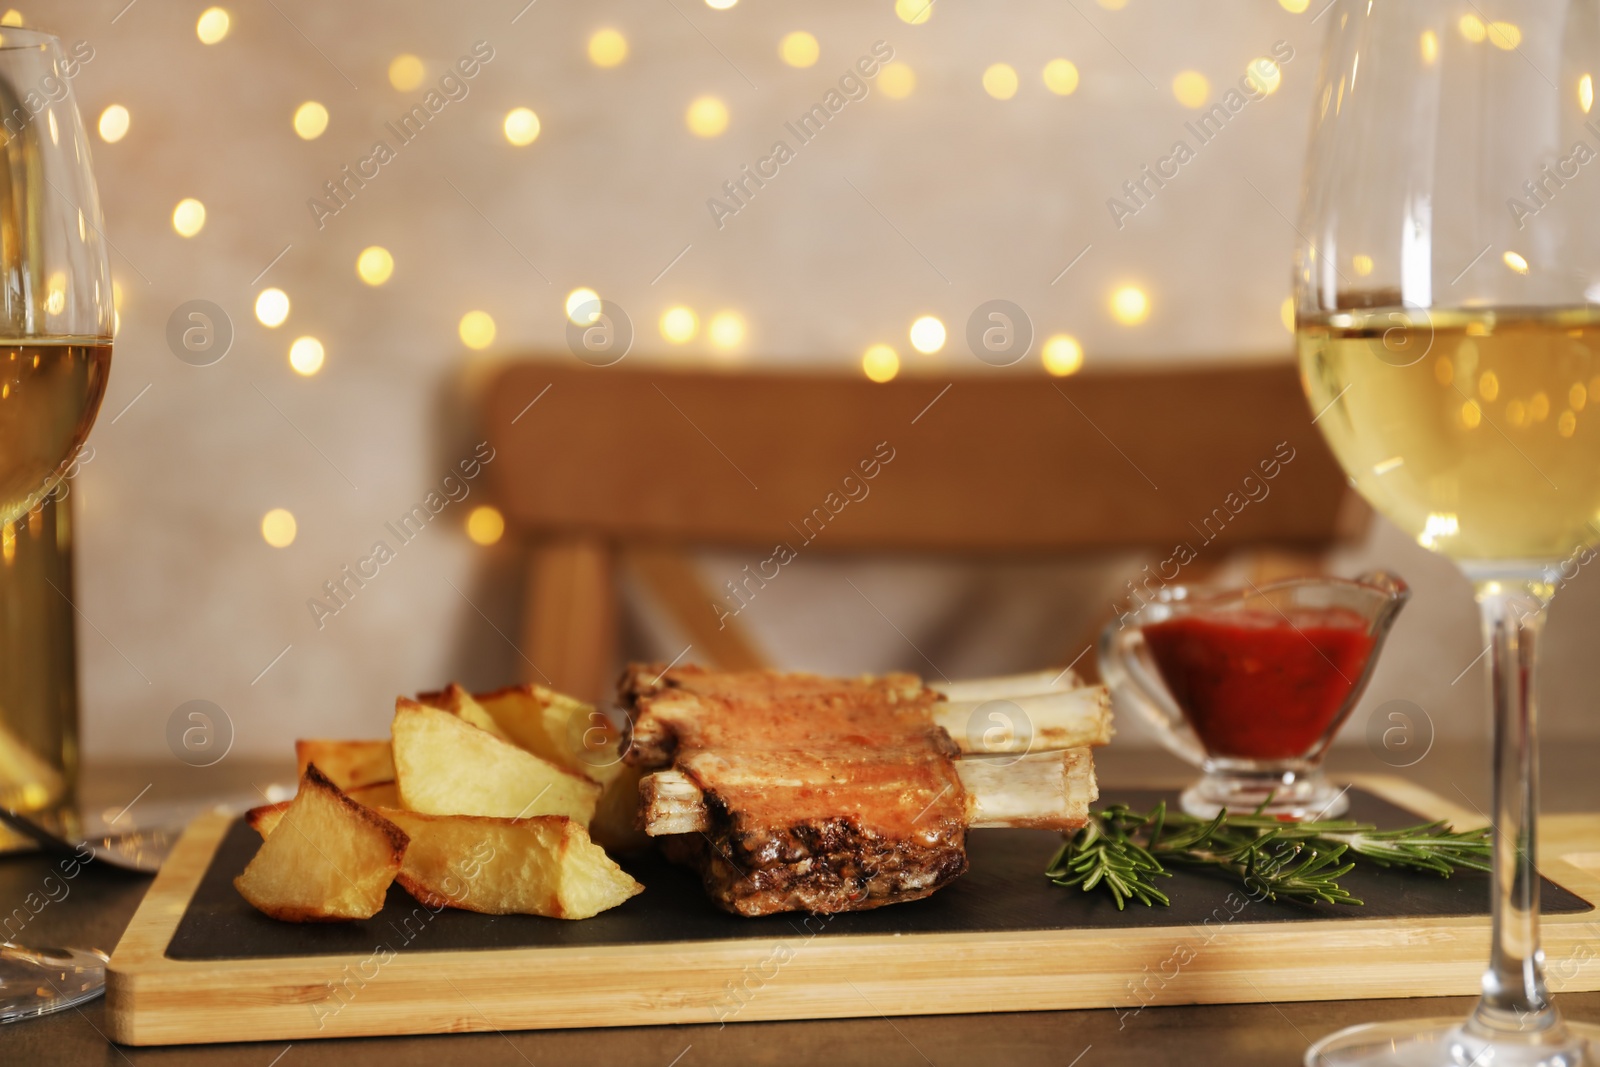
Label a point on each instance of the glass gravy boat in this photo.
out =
(1252, 684)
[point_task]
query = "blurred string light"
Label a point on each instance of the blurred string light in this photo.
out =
(521, 126)
(306, 355)
(1263, 74)
(726, 330)
(880, 363)
(114, 123)
(1000, 81)
(721, 5)
(799, 49)
(1294, 7)
(679, 325)
(1286, 313)
(310, 120)
(915, 12)
(476, 329)
(1515, 262)
(897, 80)
(583, 306)
(406, 72)
(1062, 354)
(1585, 93)
(607, 47)
(272, 307)
(1061, 77)
(707, 116)
(927, 335)
(1429, 43)
(278, 527)
(189, 217)
(485, 525)
(1129, 305)
(213, 25)
(1191, 88)
(374, 265)
(1472, 28)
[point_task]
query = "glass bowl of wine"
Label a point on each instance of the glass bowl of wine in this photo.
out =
(1252, 684)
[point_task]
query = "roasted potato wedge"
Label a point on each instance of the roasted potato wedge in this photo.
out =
(446, 766)
(347, 764)
(457, 701)
(327, 858)
(377, 795)
(561, 729)
(545, 865)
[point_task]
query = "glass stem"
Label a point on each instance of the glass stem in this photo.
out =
(1515, 999)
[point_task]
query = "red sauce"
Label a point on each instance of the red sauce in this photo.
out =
(1255, 685)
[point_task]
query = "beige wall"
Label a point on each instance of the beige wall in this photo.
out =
(926, 205)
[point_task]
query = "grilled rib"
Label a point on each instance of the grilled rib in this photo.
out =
(792, 791)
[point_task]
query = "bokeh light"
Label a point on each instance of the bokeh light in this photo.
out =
(1062, 354)
(880, 363)
(1585, 94)
(799, 49)
(212, 26)
(1061, 77)
(189, 217)
(1472, 28)
(12, 17)
(707, 116)
(607, 48)
(1113, 5)
(1294, 7)
(476, 329)
(406, 72)
(306, 356)
(1429, 43)
(1263, 74)
(583, 306)
(915, 12)
(278, 527)
(485, 525)
(1191, 88)
(114, 123)
(1129, 305)
(521, 126)
(272, 307)
(1505, 35)
(1000, 81)
(1286, 313)
(721, 5)
(726, 330)
(310, 120)
(927, 335)
(1515, 261)
(1361, 263)
(374, 265)
(897, 80)
(679, 325)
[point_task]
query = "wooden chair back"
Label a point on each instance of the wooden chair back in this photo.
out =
(638, 465)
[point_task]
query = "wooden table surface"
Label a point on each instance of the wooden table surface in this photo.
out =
(102, 901)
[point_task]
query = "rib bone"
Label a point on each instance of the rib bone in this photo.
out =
(1041, 721)
(1008, 685)
(1046, 790)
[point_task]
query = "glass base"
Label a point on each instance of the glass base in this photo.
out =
(42, 980)
(1443, 1043)
(1295, 794)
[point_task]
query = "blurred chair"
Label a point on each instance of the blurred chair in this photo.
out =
(637, 467)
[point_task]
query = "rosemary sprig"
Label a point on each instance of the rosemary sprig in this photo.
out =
(1124, 850)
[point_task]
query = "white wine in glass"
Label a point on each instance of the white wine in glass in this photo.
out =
(56, 323)
(1448, 320)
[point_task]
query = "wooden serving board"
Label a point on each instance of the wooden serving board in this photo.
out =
(198, 964)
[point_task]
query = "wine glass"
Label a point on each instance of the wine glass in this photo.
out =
(1446, 284)
(56, 320)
